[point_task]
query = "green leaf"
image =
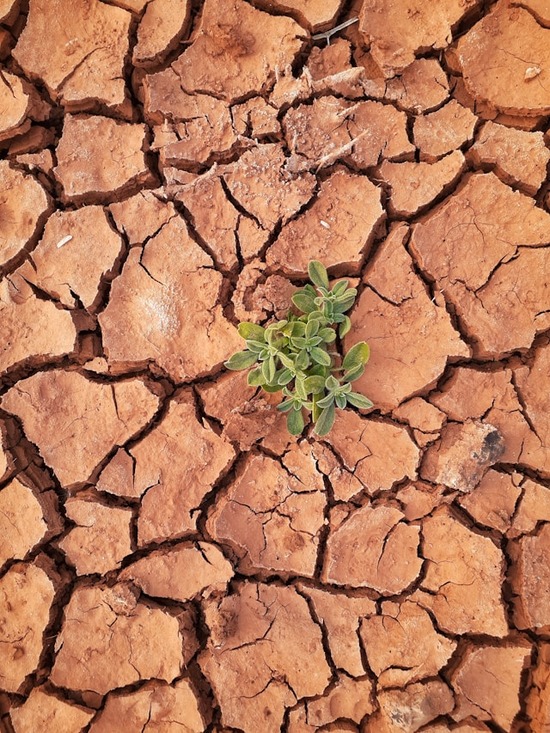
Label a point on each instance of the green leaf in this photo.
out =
(344, 302)
(325, 420)
(255, 377)
(295, 422)
(353, 374)
(302, 361)
(256, 346)
(299, 342)
(286, 361)
(312, 326)
(340, 401)
(304, 302)
(284, 377)
(318, 274)
(271, 387)
(326, 401)
(300, 389)
(251, 331)
(328, 335)
(356, 356)
(265, 371)
(314, 384)
(241, 360)
(286, 405)
(358, 400)
(345, 327)
(320, 356)
(331, 383)
(319, 315)
(340, 288)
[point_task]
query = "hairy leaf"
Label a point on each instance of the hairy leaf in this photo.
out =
(325, 420)
(241, 360)
(358, 355)
(251, 331)
(358, 400)
(320, 356)
(295, 422)
(318, 274)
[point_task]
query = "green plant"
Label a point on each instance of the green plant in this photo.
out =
(293, 355)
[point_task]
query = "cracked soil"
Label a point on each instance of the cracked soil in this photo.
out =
(171, 560)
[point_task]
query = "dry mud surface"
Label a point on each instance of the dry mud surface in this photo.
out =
(170, 558)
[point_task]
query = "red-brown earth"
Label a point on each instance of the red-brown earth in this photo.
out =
(170, 558)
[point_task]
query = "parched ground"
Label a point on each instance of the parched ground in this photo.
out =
(170, 558)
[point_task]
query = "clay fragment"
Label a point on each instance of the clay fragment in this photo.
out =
(142, 216)
(535, 451)
(349, 698)
(98, 157)
(374, 549)
(482, 246)
(81, 59)
(392, 648)
(109, 640)
(340, 614)
(101, 538)
(255, 118)
(443, 131)
(45, 712)
(378, 453)
(312, 14)
(509, 45)
(331, 129)
(415, 185)
(27, 593)
(102, 417)
(271, 625)
(493, 503)
(533, 508)
(15, 106)
(175, 466)
(519, 158)
(396, 32)
(487, 682)
(529, 577)
(23, 209)
(162, 26)
(166, 298)
(272, 514)
(463, 578)
(463, 454)
(182, 572)
(22, 521)
(31, 330)
(395, 315)
(227, 59)
(421, 87)
(538, 701)
(338, 228)
(409, 709)
(76, 253)
(156, 706)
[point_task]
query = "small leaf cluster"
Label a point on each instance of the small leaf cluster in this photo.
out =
(294, 355)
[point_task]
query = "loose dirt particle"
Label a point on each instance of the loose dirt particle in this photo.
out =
(340, 615)
(487, 683)
(443, 131)
(460, 458)
(27, 593)
(76, 252)
(101, 538)
(80, 59)
(350, 206)
(470, 246)
(264, 654)
(162, 26)
(23, 208)
(391, 642)
(272, 514)
(529, 577)
(166, 298)
(415, 185)
(109, 640)
(98, 157)
(464, 572)
(45, 712)
(74, 421)
(32, 330)
(182, 572)
(410, 709)
(398, 31)
(155, 706)
(22, 522)
(397, 317)
(227, 59)
(519, 158)
(374, 549)
(495, 56)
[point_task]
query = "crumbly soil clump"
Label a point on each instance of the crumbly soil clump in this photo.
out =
(171, 559)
